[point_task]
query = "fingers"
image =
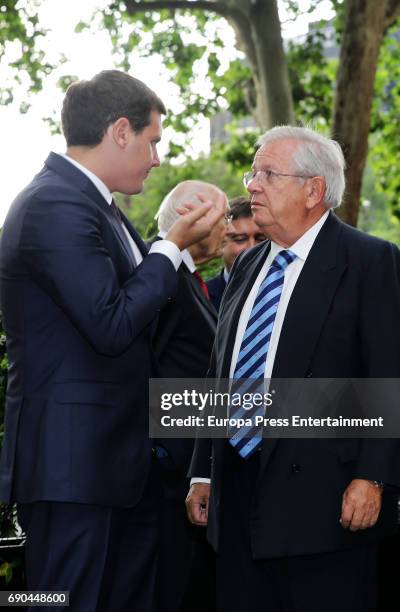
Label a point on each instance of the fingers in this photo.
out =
(359, 519)
(197, 504)
(198, 513)
(219, 208)
(347, 514)
(196, 222)
(361, 505)
(193, 212)
(185, 208)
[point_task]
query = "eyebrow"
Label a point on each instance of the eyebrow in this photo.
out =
(266, 167)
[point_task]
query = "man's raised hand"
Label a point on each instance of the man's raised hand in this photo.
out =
(196, 222)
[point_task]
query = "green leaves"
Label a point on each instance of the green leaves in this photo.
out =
(386, 120)
(189, 45)
(312, 78)
(235, 85)
(20, 36)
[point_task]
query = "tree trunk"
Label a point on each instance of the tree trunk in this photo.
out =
(363, 31)
(258, 33)
(274, 101)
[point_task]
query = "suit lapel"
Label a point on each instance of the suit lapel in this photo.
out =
(135, 236)
(310, 303)
(308, 309)
(95, 195)
(222, 281)
(74, 175)
(198, 293)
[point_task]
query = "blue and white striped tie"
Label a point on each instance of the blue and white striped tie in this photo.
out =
(250, 367)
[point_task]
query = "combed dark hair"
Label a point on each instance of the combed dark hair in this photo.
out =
(239, 208)
(91, 106)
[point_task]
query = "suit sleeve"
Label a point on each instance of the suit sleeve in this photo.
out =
(379, 459)
(169, 323)
(63, 249)
(200, 465)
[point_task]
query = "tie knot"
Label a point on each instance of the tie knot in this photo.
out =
(283, 259)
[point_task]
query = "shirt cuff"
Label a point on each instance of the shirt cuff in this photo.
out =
(194, 480)
(169, 249)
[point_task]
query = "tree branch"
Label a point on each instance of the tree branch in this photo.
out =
(392, 12)
(236, 17)
(141, 6)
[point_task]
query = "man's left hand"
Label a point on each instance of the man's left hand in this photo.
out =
(361, 505)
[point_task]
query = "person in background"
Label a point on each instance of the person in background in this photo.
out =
(182, 343)
(80, 296)
(242, 233)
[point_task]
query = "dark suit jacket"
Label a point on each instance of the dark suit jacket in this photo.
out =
(79, 320)
(216, 287)
(183, 343)
(342, 321)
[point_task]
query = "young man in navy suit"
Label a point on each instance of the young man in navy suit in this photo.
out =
(296, 521)
(80, 296)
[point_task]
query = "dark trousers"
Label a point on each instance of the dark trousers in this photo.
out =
(336, 581)
(105, 557)
(186, 571)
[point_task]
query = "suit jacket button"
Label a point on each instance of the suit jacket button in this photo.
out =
(296, 468)
(309, 374)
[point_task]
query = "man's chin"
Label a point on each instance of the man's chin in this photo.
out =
(261, 219)
(135, 190)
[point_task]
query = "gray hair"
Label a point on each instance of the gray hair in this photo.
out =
(181, 194)
(316, 155)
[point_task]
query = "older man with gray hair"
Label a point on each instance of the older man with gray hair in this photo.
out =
(296, 521)
(195, 192)
(183, 344)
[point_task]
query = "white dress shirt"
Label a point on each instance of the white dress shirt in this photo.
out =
(186, 256)
(164, 247)
(301, 248)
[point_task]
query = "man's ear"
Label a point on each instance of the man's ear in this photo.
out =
(315, 191)
(120, 131)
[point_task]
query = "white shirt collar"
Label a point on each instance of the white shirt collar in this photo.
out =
(98, 183)
(303, 245)
(186, 256)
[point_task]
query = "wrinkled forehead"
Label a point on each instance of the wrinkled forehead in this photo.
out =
(275, 152)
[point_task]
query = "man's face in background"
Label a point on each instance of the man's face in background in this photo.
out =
(241, 234)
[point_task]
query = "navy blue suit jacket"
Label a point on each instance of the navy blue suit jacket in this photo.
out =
(183, 343)
(79, 319)
(216, 287)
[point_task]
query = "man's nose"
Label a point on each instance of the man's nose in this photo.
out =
(254, 186)
(156, 160)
